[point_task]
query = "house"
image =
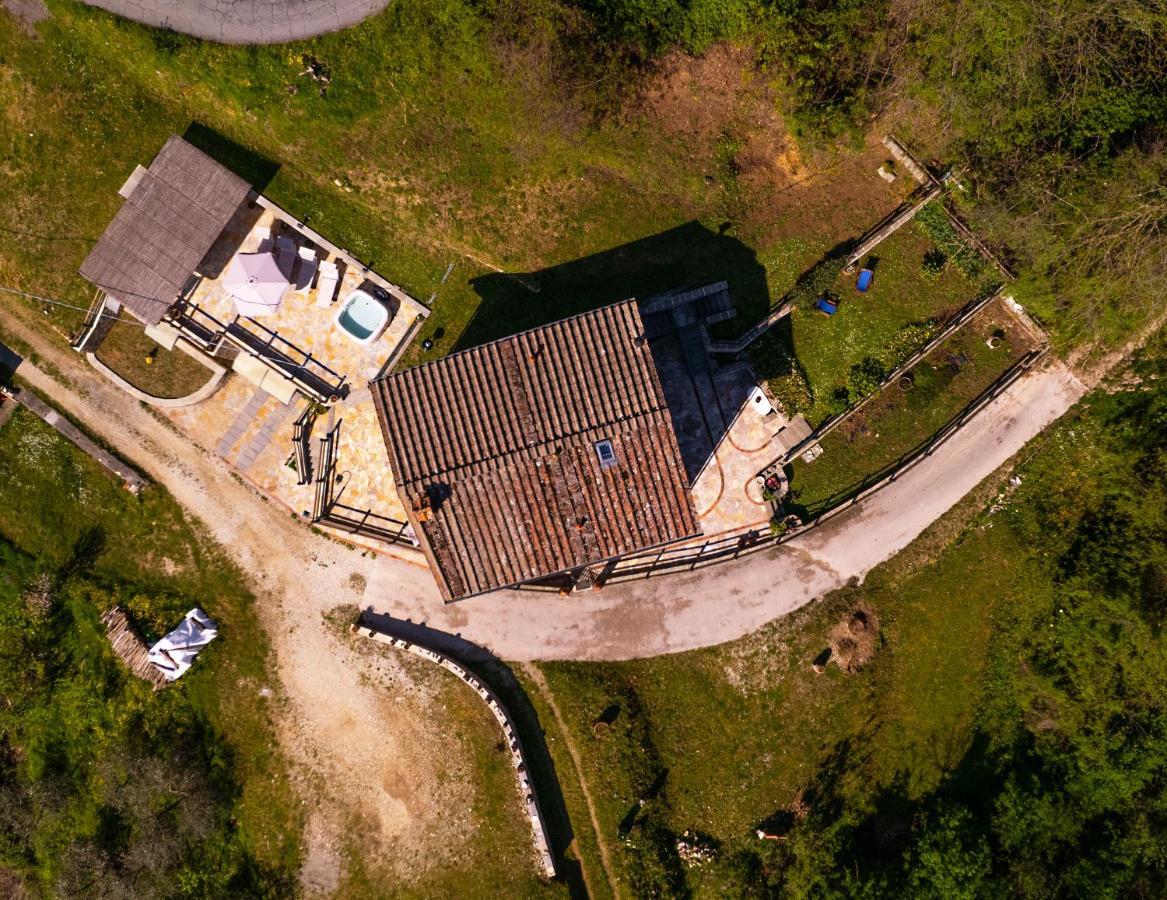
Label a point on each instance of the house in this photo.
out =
(537, 454)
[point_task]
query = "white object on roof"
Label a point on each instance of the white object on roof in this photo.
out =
(175, 653)
(326, 284)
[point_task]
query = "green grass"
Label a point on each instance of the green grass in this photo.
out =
(64, 511)
(901, 294)
(986, 649)
(450, 157)
(739, 730)
(169, 374)
(895, 423)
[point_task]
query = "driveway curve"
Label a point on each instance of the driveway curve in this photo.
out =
(676, 612)
(666, 614)
(245, 21)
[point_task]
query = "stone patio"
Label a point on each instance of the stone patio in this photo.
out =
(252, 430)
(723, 443)
(298, 320)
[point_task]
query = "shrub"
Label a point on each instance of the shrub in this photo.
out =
(933, 221)
(933, 263)
(866, 377)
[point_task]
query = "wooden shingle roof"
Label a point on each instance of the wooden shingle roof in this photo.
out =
(164, 229)
(502, 440)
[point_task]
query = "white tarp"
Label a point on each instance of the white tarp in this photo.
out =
(174, 654)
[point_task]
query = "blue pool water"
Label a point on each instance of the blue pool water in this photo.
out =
(362, 316)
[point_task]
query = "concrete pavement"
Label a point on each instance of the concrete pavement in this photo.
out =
(676, 612)
(246, 21)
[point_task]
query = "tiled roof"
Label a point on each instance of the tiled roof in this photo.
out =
(503, 438)
(165, 228)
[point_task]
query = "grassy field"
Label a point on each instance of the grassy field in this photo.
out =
(170, 374)
(896, 422)
(902, 294)
(63, 511)
(724, 740)
(452, 144)
(721, 741)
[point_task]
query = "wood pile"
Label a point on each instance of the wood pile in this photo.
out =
(129, 647)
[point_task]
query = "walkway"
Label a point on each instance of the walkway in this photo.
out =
(246, 21)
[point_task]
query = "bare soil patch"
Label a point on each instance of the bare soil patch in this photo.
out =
(853, 640)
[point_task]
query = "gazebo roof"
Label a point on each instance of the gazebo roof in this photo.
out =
(172, 216)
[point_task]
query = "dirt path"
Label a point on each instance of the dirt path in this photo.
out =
(359, 763)
(536, 675)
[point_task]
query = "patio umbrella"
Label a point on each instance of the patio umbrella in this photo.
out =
(256, 283)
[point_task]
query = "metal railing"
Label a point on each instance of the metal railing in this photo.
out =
(716, 550)
(310, 375)
(327, 510)
(301, 435)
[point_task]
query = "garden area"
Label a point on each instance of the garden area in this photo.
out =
(820, 365)
(132, 354)
(906, 414)
(92, 762)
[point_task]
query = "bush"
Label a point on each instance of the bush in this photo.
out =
(933, 263)
(933, 221)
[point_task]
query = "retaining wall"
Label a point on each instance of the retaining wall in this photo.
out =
(534, 814)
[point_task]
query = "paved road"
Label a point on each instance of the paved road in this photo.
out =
(681, 612)
(645, 618)
(246, 21)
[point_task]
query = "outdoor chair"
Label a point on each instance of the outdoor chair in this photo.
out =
(285, 254)
(864, 282)
(308, 263)
(326, 283)
(264, 235)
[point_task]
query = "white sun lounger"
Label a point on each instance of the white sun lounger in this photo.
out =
(326, 284)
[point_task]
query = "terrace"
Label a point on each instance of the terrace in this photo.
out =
(252, 427)
(225, 280)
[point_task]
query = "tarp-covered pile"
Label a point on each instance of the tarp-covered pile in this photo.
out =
(175, 653)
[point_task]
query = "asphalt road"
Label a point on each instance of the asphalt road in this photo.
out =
(676, 612)
(246, 21)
